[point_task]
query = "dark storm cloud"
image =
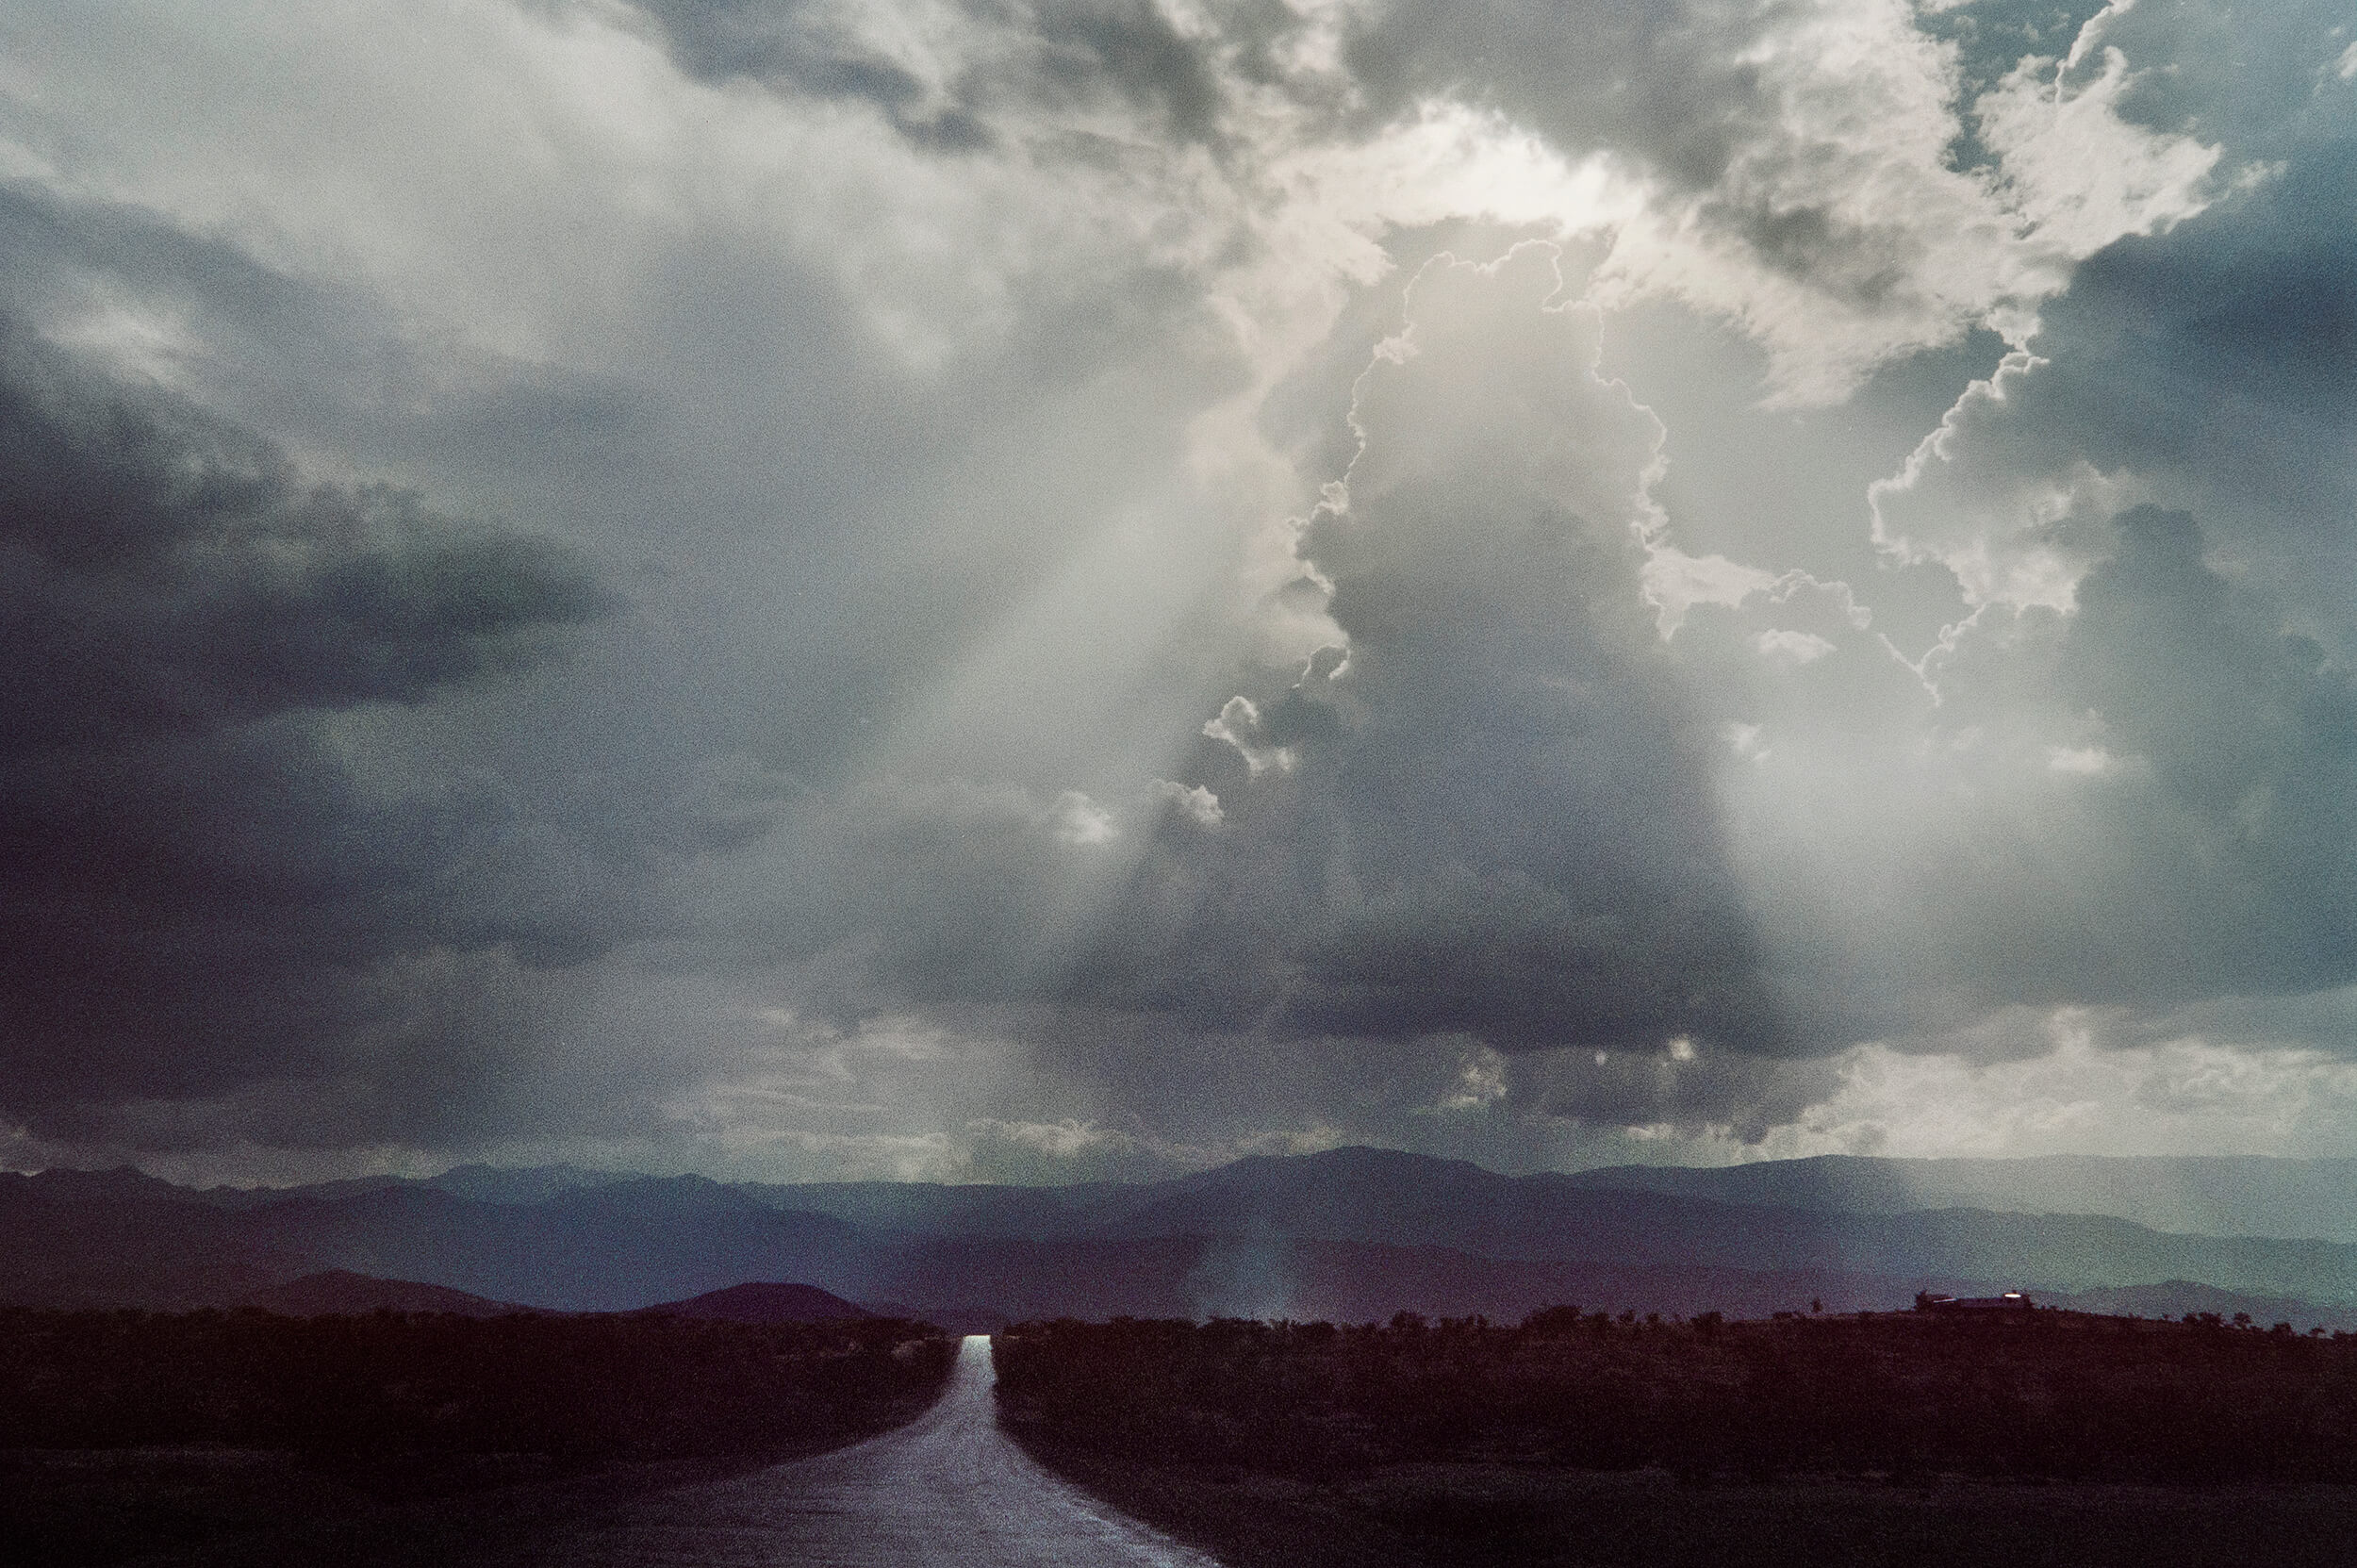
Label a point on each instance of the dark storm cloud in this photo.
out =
(165, 573)
(775, 40)
(2193, 835)
(1056, 55)
(2165, 809)
(327, 362)
(1861, 266)
(1669, 77)
(2218, 357)
(1489, 815)
(786, 47)
(1494, 815)
(55, 248)
(914, 374)
(1726, 113)
(2226, 352)
(2250, 736)
(1126, 49)
(197, 891)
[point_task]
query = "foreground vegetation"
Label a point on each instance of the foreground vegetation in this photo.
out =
(1582, 1439)
(127, 1432)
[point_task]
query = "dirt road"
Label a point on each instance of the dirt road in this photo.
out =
(950, 1487)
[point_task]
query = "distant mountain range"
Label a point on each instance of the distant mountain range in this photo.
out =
(1349, 1234)
(2235, 1196)
(340, 1293)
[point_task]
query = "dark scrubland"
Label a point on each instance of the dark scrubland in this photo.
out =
(247, 1437)
(1927, 1439)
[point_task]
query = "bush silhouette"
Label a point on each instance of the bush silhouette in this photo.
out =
(2044, 1394)
(575, 1388)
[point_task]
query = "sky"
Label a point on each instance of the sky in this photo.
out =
(1044, 591)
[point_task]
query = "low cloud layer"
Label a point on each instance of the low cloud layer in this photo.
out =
(1038, 592)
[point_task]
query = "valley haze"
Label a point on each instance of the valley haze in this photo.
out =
(1349, 1235)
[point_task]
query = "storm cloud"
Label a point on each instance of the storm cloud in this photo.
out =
(1489, 808)
(198, 891)
(1076, 588)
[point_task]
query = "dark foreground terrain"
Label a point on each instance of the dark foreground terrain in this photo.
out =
(1903, 1438)
(247, 1437)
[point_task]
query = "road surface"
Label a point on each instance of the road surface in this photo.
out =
(949, 1488)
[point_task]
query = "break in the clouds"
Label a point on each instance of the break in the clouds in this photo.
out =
(1073, 590)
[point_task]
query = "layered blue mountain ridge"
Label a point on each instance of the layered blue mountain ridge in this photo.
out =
(1351, 1234)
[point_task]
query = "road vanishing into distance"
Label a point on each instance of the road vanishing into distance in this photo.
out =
(947, 1487)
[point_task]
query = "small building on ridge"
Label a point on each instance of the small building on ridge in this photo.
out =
(2011, 1301)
